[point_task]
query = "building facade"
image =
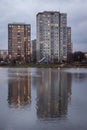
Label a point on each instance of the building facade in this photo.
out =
(69, 44)
(85, 55)
(52, 36)
(34, 50)
(3, 54)
(19, 41)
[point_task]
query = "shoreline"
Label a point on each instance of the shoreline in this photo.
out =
(45, 66)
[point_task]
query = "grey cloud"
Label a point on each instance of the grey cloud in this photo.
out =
(25, 11)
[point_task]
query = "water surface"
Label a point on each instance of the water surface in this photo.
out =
(43, 99)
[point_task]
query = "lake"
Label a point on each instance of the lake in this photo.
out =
(43, 99)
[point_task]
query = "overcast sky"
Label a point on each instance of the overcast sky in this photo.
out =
(24, 11)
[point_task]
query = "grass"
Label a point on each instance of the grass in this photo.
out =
(71, 65)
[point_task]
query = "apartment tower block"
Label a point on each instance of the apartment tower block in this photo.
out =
(19, 38)
(52, 36)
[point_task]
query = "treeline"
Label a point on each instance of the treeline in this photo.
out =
(77, 56)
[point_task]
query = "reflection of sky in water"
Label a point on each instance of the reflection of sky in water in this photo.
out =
(75, 70)
(14, 73)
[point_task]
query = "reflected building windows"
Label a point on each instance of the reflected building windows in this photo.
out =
(53, 94)
(19, 90)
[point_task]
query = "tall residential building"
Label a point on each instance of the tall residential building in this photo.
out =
(52, 36)
(69, 44)
(19, 38)
(34, 50)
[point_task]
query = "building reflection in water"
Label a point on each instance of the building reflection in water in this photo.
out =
(53, 94)
(19, 90)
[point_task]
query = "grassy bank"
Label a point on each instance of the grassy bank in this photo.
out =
(70, 65)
